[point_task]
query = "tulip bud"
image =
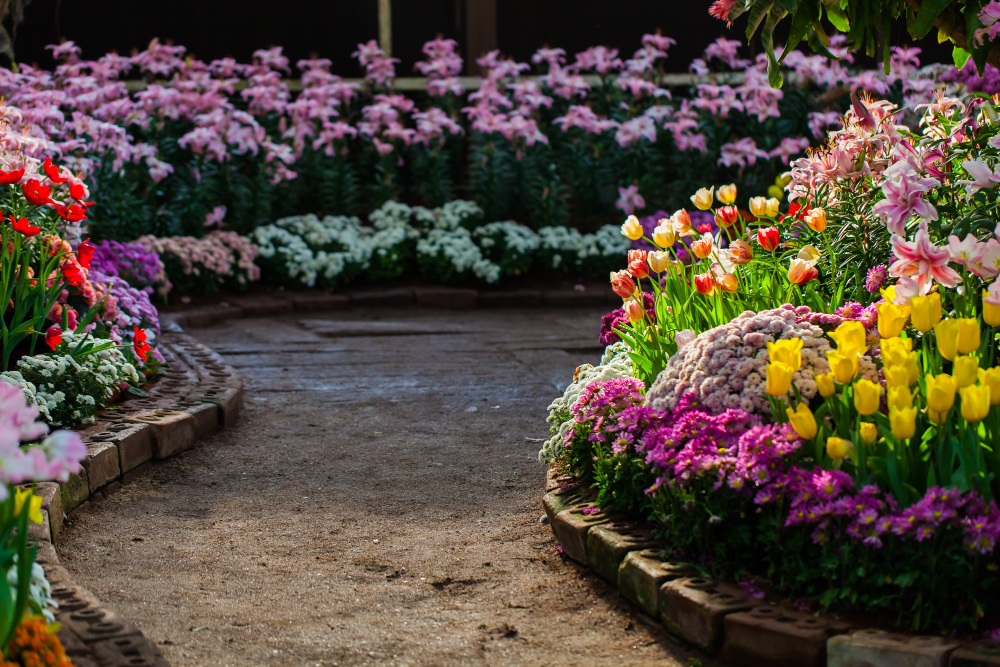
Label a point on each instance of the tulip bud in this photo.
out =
(838, 448)
(740, 252)
(703, 247)
(965, 371)
(891, 319)
(637, 263)
(940, 392)
(975, 402)
(801, 272)
(703, 198)
(728, 282)
(809, 253)
(824, 383)
(622, 284)
(867, 395)
(900, 397)
(869, 432)
(632, 228)
(664, 235)
(946, 335)
(758, 206)
(779, 378)
(705, 283)
(726, 216)
(802, 421)
(816, 220)
(658, 260)
(968, 335)
(726, 193)
(772, 207)
(843, 364)
(903, 422)
(787, 351)
(681, 222)
(769, 239)
(991, 310)
(895, 376)
(925, 312)
(634, 311)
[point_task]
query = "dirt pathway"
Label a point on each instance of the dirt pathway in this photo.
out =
(378, 503)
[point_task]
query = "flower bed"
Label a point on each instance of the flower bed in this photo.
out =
(786, 418)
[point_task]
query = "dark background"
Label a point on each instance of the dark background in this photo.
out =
(215, 28)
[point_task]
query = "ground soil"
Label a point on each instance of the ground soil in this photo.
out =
(378, 503)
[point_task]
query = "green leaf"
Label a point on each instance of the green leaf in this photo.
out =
(924, 21)
(817, 45)
(757, 14)
(800, 25)
(791, 6)
(774, 77)
(837, 17)
(138, 392)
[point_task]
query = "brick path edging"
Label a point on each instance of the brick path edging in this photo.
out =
(719, 618)
(197, 396)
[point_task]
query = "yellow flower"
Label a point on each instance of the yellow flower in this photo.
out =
(664, 235)
(758, 206)
(894, 350)
(925, 312)
(946, 334)
(787, 351)
(940, 392)
(991, 312)
(632, 229)
(903, 422)
(775, 191)
(658, 260)
(968, 335)
(936, 417)
(824, 383)
(869, 432)
(34, 505)
(779, 378)
(703, 198)
(816, 219)
(838, 448)
(966, 371)
(849, 334)
(866, 396)
(896, 376)
(809, 253)
(772, 206)
(991, 378)
(975, 402)
(726, 194)
(912, 367)
(891, 319)
(900, 398)
(843, 365)
(802, 421)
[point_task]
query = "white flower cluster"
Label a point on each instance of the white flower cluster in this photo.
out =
(39, 591)
(452, 215)
(69, 390)
(566, 248)
(445, 254)
(615, 363)
(311, 248)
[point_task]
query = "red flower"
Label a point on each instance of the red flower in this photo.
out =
(24, 226)
(72, 273)
(11, 177)
(52, 172)
(769, 239)
(84, 253)
(53, 336)
(77, 191)
(36, 193)
(726, 216)
(704, 229)
(141, 347)
(705, 283)
(637, 263)
(73, 213)
(797, 211)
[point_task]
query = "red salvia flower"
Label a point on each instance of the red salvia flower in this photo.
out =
(36, 193)
(11, 177)
(141, 347)
(52, 172)
(53, 336)
(22, 225)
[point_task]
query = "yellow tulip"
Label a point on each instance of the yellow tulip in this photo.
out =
(658, 260)
(849, 334)
(779, 378)
(991, 378)
(824, 383)
(912, 367)
(726, 194)
(758, 206)
(802, 421)
(900, 398)
(968, 335)
(703, 198)
(869, 432)
(34, 505)
(966, 371)
(991, 312)
(891, 319)
(843, 366)
(903, 422)
(975, 402)
(894, 350)
(896, 376)
(664, 235)
(925, 312)
(816, 220)
(787, 351)
(772, 207)
(936, 417)
(838, 448)
(946, 334)
(809, 253)
(866, 396)
(632, 228)
(940, 392)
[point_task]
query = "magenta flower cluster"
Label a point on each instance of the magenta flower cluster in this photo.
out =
(616, 319)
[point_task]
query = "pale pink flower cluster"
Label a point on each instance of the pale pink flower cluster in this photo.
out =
(379, 67)
(725, 367)
(442, 67)
(55, 458)
(990, 17)
(218, 253)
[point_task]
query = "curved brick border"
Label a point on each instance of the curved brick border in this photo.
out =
(197, 396)
(718, 617)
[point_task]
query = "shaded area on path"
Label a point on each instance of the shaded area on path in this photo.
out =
(377, 503)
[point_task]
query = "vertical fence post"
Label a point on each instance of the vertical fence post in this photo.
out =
(385, 26)
(480, 30)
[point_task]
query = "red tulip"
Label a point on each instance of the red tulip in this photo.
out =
(77, 191)
(52, 172)
(36, 193)
(637, 263)
(53, 336)
(705, 283)
(726, 216)
(11, 177)
(84, 253)
(769, 239)
(622, 284)
(72, 273)
(72, 213)
(141, 347)
(24, 226)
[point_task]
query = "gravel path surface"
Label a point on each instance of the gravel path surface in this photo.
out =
(378, 503)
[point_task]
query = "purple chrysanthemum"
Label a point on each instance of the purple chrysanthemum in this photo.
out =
(876, 278)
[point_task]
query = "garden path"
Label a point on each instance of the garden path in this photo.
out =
(378, 503)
